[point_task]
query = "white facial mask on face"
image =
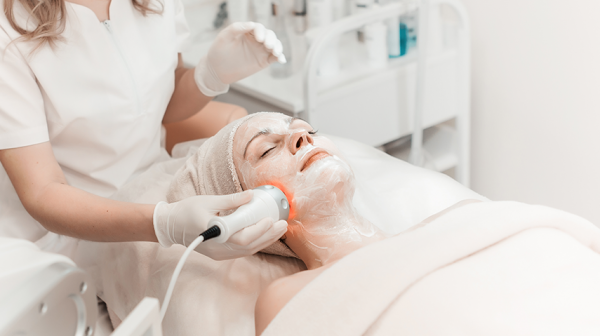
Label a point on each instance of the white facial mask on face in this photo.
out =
(318, 183)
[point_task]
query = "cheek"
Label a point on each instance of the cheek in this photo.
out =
(272, 173)
(263, 175)
(277, 169)
(327, 144)
(279, 172)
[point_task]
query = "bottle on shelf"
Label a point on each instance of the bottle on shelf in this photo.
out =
(362, 6)
(262, 12)
(237, 10)
(320, 13)
(375, 37)
(411, 24)
(221, 16)
(338, 9)
(299, 16)
(279, 70)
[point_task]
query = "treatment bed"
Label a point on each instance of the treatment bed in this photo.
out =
(403, 283)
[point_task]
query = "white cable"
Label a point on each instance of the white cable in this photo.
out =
(165, 304)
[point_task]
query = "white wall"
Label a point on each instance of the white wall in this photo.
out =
(536, 102)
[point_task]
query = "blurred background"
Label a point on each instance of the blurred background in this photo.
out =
(535, 104)
(534, 87)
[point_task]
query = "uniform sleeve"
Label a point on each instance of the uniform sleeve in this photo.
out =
(22, 115)
(181, 27)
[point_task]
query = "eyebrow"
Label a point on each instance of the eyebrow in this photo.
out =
(290, 120)
(263, 132)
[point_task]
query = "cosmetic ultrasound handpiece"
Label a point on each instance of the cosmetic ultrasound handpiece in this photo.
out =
(268, 202)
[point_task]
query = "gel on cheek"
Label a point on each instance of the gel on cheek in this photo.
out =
(322, 216)
(274, 171)
(309, 192)
(324, 198)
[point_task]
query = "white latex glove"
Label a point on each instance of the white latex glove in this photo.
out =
(240, 50)
(182, 222)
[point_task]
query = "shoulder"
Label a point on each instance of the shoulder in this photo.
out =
(277, 295)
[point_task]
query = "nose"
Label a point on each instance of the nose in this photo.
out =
(300, 139)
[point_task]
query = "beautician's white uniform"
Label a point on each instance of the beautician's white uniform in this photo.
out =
(99, 99)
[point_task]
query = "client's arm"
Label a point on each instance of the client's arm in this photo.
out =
(278, 294)
(281, 291)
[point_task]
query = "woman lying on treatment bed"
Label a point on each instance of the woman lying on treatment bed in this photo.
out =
(325, 226)
(465, 246)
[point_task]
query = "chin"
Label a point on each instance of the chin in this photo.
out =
(339, 173)
(326, 182)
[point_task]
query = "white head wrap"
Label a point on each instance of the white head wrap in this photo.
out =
(210, 171)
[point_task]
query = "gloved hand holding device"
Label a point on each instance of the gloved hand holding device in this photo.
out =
(181, 222)
(240, 50)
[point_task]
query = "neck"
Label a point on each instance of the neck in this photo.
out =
(323, 240)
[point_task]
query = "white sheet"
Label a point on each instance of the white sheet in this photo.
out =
(218, 297)
(486, 268)
(540, 282)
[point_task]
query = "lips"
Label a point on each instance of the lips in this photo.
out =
(314, 158)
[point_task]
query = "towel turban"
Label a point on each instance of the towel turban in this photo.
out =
(210, 171)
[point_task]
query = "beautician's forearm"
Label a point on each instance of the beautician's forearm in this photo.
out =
(187, 99)
(66, 210)
(43, 189)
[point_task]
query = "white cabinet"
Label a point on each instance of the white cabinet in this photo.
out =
(380, 108)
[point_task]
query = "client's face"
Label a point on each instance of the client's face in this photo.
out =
(285, 152)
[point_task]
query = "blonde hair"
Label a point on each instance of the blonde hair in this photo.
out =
(51, 18)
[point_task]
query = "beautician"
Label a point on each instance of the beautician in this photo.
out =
(84, 88)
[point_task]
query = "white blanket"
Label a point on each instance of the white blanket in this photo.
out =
(218, 297)
(491, 268)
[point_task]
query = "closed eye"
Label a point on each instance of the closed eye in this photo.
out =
(267, 152)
